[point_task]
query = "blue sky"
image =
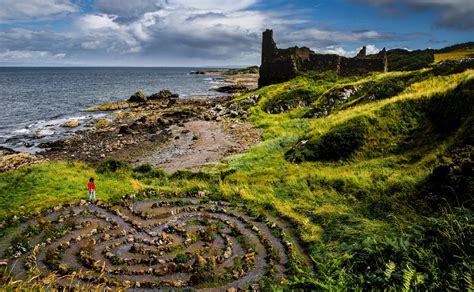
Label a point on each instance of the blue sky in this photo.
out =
(218, 32)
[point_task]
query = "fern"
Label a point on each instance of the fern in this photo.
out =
(408, 274)
(390, 269)
(467, 277)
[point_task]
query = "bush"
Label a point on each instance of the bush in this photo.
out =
(451, 182)
(148, 171)
(340, 143)
(112, 165)
(181, 258)
(143, 168)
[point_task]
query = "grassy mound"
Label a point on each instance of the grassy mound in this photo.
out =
(339, 143)
(394, 128)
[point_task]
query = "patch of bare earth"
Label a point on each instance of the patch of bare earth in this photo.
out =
(201, 142)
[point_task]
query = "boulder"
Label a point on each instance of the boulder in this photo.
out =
(138, 96)
(125, 129)
(234, 88)
(6, 151)
(71, 124)
(200, 261)
(163, 94)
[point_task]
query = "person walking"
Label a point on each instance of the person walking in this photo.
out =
(91, 188)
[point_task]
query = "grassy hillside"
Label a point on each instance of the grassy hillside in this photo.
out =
(373, 173)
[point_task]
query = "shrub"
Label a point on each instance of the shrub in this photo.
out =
(181, 258)
(451, 182)
(112, 165)
(452, 67)
(339, 143)
(143, 168)
(147, 171)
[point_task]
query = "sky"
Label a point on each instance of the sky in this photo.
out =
(191, 33)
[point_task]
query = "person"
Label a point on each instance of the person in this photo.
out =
(91, 187)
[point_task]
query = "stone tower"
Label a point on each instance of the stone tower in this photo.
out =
(269, 48)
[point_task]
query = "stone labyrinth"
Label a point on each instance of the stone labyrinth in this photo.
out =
(151, 244)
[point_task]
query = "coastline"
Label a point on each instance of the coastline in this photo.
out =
(202, 129)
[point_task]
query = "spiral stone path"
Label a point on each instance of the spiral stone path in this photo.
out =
(151, 244)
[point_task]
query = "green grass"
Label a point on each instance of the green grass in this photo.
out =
(365, 215)
(50, 184)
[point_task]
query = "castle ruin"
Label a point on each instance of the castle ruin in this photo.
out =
(280, 65)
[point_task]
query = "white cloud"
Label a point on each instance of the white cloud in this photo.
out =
(370, 49)
(323, 38)
(29, 55)
(211, 5)
(33, 10)
(96, 22)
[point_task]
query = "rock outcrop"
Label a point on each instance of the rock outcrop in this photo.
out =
(138, 96)
(11, 160)
(279, 65)
(163, 94)
(233, 88)
(71, 124)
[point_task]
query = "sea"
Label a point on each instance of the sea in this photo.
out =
(35, 102)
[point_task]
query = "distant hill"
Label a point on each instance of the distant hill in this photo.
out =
(405, 60)
(457, 47)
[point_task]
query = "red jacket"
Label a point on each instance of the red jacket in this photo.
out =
(91, 186)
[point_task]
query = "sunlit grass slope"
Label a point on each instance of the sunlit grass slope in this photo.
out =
(454, 55)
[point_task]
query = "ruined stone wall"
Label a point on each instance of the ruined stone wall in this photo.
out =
(279, 65)
(322, 63)
(359, 66)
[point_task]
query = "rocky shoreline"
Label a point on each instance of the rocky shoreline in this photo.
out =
(162, 129)
(240, 80)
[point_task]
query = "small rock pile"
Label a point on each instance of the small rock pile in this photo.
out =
(335, 98)
(140, 96)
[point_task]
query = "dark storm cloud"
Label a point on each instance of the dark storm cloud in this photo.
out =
(451, 14)
(127, 9)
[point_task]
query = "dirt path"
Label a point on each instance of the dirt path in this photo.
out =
(197, 143)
